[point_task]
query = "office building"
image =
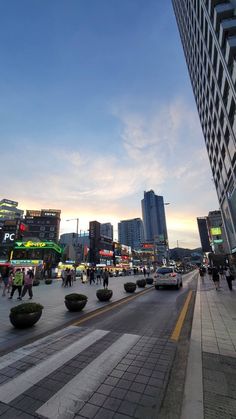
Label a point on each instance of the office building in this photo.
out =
(42, 224)
(154, 219)
(107, 230)
(101, 251)
(208, 34)
(203, 233)
(217, 235)
(130, 233)
(9, 210)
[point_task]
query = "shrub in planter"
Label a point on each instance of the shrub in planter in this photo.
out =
(130, 286)
(104, 294)
(149, 281)
(36, 282)
(75, 302)
(25, 315)
(48, 281)
(141, 283)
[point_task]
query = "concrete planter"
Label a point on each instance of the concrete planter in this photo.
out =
(104, 294)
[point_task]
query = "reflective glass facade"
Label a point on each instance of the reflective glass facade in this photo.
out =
(208, 33)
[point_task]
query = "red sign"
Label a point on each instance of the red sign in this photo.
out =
(107, 253)
(148, 246)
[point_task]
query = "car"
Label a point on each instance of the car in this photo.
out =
(166, 276)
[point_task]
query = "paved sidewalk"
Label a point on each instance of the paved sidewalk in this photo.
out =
(55, 315)
(210, 388)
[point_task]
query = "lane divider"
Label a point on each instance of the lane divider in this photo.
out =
(178, 327)
(110, 307)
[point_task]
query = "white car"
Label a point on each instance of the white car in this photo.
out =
(166, 276)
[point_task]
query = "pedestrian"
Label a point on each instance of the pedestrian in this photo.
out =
(105, 276)
(92, 276)
(17, 283)
(5, 280)
(84, 277)
(144, 272)
(148, 272)
(28, 284)
(216, 277)
(229, 277)
(98, 275)
(63, 278)
(68, 277)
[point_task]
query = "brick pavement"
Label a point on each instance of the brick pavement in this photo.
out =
(211, 376)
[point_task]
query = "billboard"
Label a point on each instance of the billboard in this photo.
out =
(216, 231)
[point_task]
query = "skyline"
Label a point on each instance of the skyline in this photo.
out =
(96, 107)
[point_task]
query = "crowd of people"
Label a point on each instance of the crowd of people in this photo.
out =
(217, 274)
(19, 280)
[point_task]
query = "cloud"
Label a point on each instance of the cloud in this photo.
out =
(157, 150)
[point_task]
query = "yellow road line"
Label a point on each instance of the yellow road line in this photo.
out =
(180, 321)
(110, 307)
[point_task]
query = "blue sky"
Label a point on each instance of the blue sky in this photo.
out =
(96, 106)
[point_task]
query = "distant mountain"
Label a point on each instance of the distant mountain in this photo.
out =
(178, 253)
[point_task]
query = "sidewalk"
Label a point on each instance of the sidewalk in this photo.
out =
(210, 388)
(55, 316)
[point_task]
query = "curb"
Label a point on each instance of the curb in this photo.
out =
(192, 406)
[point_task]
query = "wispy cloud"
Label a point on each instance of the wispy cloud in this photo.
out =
(160, 150)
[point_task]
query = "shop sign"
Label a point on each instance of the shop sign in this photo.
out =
(108, 253)
(216, 231)
(9, 237)
(37, 245)
(26, 262)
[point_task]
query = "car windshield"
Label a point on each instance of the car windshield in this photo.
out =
(164, 270)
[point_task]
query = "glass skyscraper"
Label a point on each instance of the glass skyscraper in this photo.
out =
(130, 233)
(154, 219)
(208, 33)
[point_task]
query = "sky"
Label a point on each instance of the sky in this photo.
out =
(96, 107)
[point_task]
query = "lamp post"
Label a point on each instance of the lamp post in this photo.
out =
(76, 238)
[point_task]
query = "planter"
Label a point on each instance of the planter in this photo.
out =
(149, 281)
(48, 281)
(75, 302)
(104, 294)
(25, 315)
(36, 282)
(130, 286)
(141, 283)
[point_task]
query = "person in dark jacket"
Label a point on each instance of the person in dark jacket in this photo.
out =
(216, 277)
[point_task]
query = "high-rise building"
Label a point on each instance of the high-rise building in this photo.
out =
(203, 233)
(130, 232)
(208, 33)
(9, 210)
(43, 224)
(217, 235)
(154, 219)
(107, 230)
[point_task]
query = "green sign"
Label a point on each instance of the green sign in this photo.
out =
(218, 241)
(29, 245)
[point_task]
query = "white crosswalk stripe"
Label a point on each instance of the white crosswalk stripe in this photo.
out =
(65, 403)
(23, 382)
(20, 353)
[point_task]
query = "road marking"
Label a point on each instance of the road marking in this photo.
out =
(180, 321)
(67, 401)
(23, 382)
(20, 353)
(110, 307)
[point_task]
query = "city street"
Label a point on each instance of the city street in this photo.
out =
(115, 364)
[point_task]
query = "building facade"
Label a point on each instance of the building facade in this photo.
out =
(107, 230)
(208, 34)
(9, 211)
(203, 234)
(130, 233)
(42, 224)
(154, 219)
(217, 234)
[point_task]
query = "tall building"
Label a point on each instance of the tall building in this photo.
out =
(9, 210)
(43, 224)
(130, 232)
(208, 33)
(217, 233)
(154, 219)
(107, 230)
(203, 233)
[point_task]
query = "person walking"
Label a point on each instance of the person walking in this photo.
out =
(5, 280)
(229, 277)
(105, 276)
(17, 283)
(68, 277)
(92, 276)
(63, 277)
(144, 272)
(98, 275)
(216, 277)
(28, 284)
